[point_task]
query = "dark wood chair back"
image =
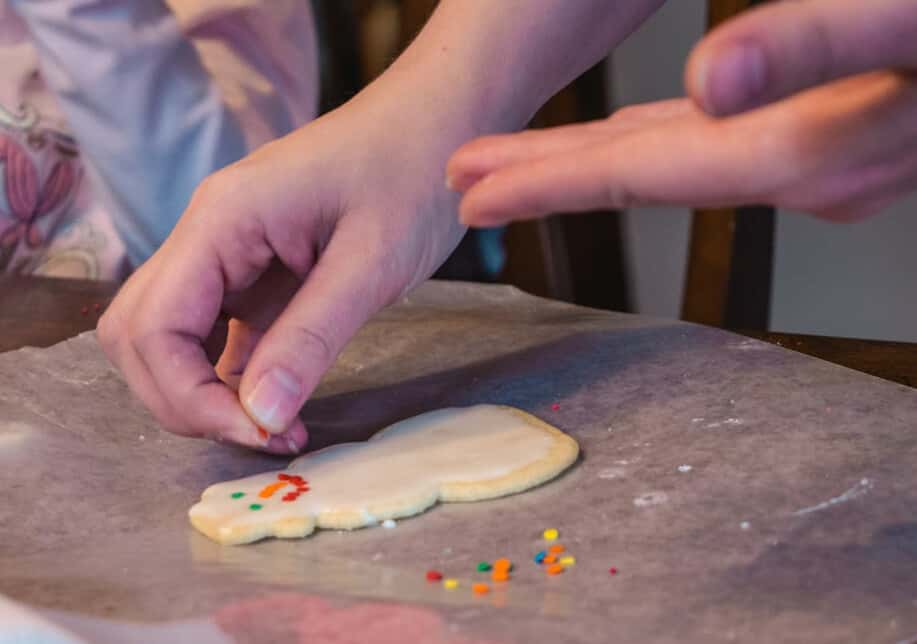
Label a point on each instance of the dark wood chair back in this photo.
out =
(730, 256)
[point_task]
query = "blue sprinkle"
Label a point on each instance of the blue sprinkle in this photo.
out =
(539, 558)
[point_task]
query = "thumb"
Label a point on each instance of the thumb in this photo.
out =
(344, 288)
(785, 47)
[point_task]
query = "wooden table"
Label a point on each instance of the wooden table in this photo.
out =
(41, 312)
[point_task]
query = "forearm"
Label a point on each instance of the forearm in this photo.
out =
(490, 65)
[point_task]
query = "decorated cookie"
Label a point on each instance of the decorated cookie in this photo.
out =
(458, 454)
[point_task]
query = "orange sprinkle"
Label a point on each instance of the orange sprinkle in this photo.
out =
(269, 490)
(556, 569)
(500, 575)
(480, 589)
(549, 559)
(556, 549)
(503, 564)
(263, 434)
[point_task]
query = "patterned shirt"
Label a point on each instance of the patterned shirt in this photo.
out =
(112, 111)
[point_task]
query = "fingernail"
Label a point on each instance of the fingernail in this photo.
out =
(297, 437)
(274, 401)
(734, 80)
(290, 442)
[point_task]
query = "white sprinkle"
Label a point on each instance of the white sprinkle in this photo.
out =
(697, 420)
(684, 468)
(389, 523)
(651, 498)
(727, 421)
(612, 473)
(142, 437)
(745, 525)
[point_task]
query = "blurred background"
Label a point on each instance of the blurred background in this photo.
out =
(748, 268)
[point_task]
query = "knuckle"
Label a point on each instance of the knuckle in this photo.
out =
(219, 187)
(312, 343)
(141, 335)
(108, 331)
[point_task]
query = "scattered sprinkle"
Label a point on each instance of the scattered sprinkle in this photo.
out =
(255, 506)
(503, 564)
(434, 575)
(483, 566)
(555, 406)
(551, 534)
(262, 433)
(613, 570)
(84, 310)
(480, 588)
(684, 468)
(269, 490)
(96, 307)
(568, 560)
(237, 495)
(556, 549)
(745, 525)
(539, 558)
(550, 559)
(555, 569)
(450, 584)
(500, 575)
(389, 523)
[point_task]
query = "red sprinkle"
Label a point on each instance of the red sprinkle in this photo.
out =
(96, 307)
(613, 570)
(555, 406)
(434, 575)
(295, 478)
(84, 310)
(292, 496)
(263, 434)
(283, 477)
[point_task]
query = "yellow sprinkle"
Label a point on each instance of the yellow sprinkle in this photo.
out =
(450, 584)
(550, 534)
(568, 560)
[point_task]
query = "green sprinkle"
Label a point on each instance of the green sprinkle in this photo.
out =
(237, 495)
(255, 506)
(483, 566)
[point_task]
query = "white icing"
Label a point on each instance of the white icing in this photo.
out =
(398, 472)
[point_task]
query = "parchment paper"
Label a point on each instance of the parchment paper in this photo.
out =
(742, 491)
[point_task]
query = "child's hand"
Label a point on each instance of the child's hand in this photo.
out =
(841, 150)
(299, 244)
